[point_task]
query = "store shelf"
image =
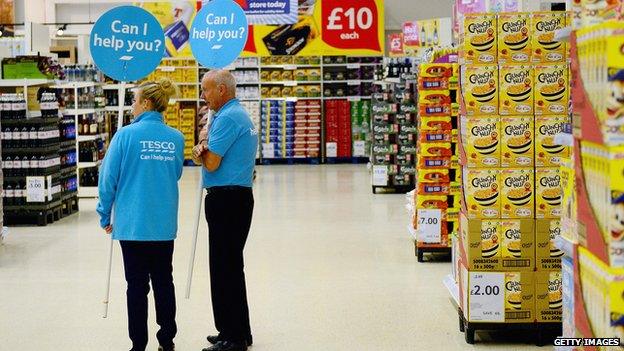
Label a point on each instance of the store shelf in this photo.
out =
(256, 99)
(88, 191)
(234, 68)
(247, 83)
(82, 111)
(89, 164)
(117, 109)
(74, 85)
(351, 65)
(184, 100)
(186, 83)
(290, 82)
(290, 67)
(117, 86)
(24, 82)
(173, 68)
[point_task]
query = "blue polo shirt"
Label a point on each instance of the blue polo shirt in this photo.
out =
(232, 136)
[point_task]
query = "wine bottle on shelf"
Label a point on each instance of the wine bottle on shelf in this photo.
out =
(9, 193)
(34, 165)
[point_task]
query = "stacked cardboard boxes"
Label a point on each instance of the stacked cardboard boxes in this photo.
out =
(337, 128)
(277, 123)
(308, 129)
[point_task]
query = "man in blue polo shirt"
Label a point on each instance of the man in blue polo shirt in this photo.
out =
(228, 158)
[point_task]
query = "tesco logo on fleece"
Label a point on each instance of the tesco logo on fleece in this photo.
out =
(157, 146)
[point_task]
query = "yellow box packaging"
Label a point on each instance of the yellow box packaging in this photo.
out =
(545, 48)
(548, 193)
(514, 37)
(547, 254)
(482, 189)
(517, 195)
(497, 244)
(480, 38)
(547, 153)
(517, 145)
(482, 142)
(552, 89)
(516, 90)
(548, 296)
(481, 90)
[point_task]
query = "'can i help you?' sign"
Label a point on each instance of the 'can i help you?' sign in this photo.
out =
(127, 43)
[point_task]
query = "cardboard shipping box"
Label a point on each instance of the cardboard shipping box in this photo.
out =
(547, 254)
(548, 296)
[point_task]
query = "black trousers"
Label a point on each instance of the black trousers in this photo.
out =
(228, 213)
(145, 261)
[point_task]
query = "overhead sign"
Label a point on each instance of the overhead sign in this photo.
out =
(127, 43)
(270, 11)
(219, 33)
(396, 44)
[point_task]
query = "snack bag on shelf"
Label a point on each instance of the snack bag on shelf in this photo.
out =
(482, 192)
(481, 90)
(517, 193)
(548, 193)
(545, 48)
(436, 149)
(516, 90)
(437, 123)
(482, 141)
(517, 134)
(480, 33)
(552, 89)
(547, 153)
(514, 37)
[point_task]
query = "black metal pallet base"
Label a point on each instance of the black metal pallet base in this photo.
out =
(396, 189)
(42, 217)
(289, 161)
(353, 160)
(441, 253)
(543, 333)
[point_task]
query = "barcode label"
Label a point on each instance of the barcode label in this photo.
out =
(516, 263)
(518, 315)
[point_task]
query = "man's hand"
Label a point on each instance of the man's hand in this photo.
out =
(198, 150)
(108, 229)
(203, 135)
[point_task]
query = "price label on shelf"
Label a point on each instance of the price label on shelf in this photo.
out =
(290, 67)
(353, 66)
(487, 296)
(35, 189)
(359, 148)
(268, 150)
(380, 175)
(331, 149)
(429, 225)
(354, 82)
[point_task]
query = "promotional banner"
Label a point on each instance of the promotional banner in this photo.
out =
(175, 17)
(218, 33)
(127, 43)
(410, 34)
(396, 45)
(7, 15)
(324, 27)
(419, 35)
(270, 11)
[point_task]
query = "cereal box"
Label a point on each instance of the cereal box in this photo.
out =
(517, 196)
(517, 146)
(548, 296)
(516, 90)
(552, 89)
(482, 193)
(547, 153)
(519, 296)
(547, 253)
(514, 37)
(545, 47)
(497, 244)
(480, 38)
(548, 193)
(481, 90)
(482, 142)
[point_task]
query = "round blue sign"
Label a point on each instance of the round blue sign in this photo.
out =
(219, 33)
(127, 43)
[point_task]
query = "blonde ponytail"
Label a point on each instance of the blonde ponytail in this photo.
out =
(159, 93)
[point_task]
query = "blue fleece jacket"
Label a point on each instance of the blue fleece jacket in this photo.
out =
(139, 178)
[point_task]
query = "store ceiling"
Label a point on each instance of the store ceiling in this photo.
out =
(399, 11)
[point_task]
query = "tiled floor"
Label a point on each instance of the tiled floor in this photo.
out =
(329, 267)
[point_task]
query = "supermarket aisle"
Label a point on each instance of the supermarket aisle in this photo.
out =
(329, 267)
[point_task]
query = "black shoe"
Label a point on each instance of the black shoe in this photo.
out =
(227, 346)
(172, 348)
(213, 339)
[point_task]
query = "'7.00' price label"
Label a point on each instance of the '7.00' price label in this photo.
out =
(429, 225)
(487, 297)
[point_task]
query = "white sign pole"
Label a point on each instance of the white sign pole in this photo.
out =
(200, 193)
(110, 268)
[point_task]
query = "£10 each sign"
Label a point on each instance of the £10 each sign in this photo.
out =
(352, 24)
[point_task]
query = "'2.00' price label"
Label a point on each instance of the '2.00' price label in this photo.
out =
(487, 297)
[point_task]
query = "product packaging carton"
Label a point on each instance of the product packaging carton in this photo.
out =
(517, 194)
(514, 37)
(481, 90)
(517, 146)
(516, 90)
(481, 138)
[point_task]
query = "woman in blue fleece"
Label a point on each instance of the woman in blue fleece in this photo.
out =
(139, 179)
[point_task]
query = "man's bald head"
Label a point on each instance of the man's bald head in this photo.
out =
(218, 87)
